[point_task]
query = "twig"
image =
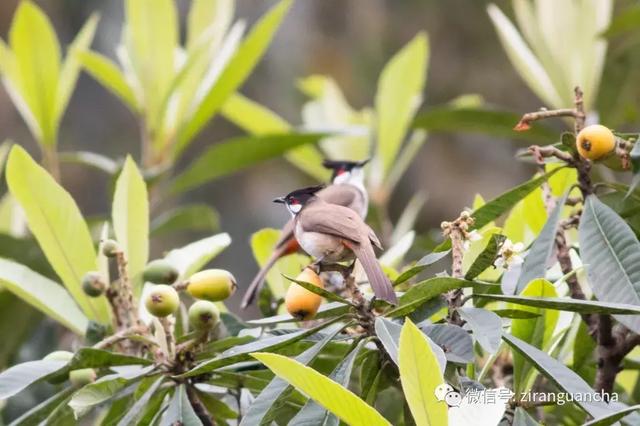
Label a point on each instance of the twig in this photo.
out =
(198, 408)
(119, 336)
(458, 232)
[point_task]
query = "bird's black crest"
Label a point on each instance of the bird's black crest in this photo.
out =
(300, 196)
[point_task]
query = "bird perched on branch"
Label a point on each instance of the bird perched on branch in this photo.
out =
(332, 233)
(346, 189)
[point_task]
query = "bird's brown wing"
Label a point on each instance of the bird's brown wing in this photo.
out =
(342, 195)
(335, 220)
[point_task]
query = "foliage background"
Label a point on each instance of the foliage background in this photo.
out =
(340, 38)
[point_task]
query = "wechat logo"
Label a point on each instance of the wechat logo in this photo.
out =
(448, 394)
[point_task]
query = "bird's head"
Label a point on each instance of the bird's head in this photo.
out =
(345, 171)
(297, 199)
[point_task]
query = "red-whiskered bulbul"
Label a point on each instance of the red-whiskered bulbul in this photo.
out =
(333, 233)
(347, 189)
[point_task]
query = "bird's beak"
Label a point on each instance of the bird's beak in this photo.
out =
(364, 162)
(279, 200)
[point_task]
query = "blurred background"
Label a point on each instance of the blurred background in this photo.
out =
(350, 41)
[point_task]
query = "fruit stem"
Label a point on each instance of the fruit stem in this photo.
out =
(120, 336)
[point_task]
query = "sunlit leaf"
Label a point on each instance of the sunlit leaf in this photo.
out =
(420, 376)
(398, 97)
(38, 69)
(235, 73)
(109, 75)
(193, 257)
(43, 294)
(130, 215)
(335, 398)
(58, 225)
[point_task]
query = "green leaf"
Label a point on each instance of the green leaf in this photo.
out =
(37, 59)
(535, 263)
(71, 66)
(449, 118)
(426, 290)
(235, 73)
(180, 410)
(331, 395)
(209, 16)
(612, 418)
(567, 304)
(191, 217)
(313, 413)
(611, 254)
(259, 409)
(398, 97)
(104, 389)
(536, 331)
(242, 352)
(326, 310)
(43, 294)
(193, 257)
(217, 408)
(486, 258)
(318, 290)
(91, 159)
(420, 376)
(560, 375)
(58, 225)
(236, 154)
(130, 216)
(40, 412)
(485, 325)
(18, 322)
(109, 75)
(136, 410)
(420, 266)
(151, 38)
(258, 120)
(18, 377)
(502, 203)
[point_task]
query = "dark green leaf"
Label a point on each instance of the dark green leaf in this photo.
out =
(567, 304)
(327, 310)
(104, 389)
(560, 375)
(233, 155)
(456, 343)
(241, 353)
(502, 203)
(262, 404)
(420, 266)
(515, 314)
(425, 290)
(477, 120)
(136, 410)
(217, 408)
(611, 254)
(485, 325)
(535, 263)
(180, 410)
(193, 217)
(486, 258)
(389, 334)
(522, 418)
(627, 19)
(40, 412)
(318, 290)
(612, 418)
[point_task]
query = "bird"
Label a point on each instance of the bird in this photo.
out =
(346, 189)
(332, 233)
